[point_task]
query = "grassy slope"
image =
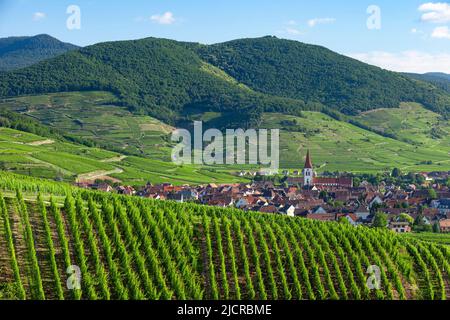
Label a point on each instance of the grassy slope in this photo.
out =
(342, 146)
(93, 115)
(410, 121)
(22, 152)
(335, 145)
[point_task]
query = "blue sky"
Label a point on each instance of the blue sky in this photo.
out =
(414, 34)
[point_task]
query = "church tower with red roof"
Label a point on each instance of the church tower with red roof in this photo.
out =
(308, 172)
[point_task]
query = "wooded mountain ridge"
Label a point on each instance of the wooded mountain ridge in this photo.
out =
(168, 79)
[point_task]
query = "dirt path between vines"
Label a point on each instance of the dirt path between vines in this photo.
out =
(41, 142)
(100, 174)
(115, 159)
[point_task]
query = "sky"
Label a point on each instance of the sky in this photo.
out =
(400, 35)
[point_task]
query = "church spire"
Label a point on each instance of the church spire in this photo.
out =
(308, 163)
(308, 173)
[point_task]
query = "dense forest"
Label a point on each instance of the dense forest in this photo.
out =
(154, 76)
(20, 52)
(296, 70)
(440, 80)
(164, 78)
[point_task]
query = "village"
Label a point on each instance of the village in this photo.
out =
(403, 209)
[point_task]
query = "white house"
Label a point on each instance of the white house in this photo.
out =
(375, 200)
(288, 210)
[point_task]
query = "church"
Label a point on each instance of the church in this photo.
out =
(311, 180)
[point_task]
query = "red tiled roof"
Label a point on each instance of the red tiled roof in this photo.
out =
(351, 215)
(430, 212)
(268, 209)
(322, 216)
(444, 223)
(333, 181)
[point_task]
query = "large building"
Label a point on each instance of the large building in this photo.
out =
(310, 179)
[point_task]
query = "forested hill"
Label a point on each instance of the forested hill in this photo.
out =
(440, 80)
(155, 76)
(313, 73)
(20, 52)
(164, 78)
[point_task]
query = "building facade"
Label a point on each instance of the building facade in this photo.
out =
(310, 179)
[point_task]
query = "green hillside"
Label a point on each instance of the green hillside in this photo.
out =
(95, 117)
(421, 136)
(125, 97)
(411, 122)
(33, 155)
(30, 154)
(341, 146)
(153, 76)
(315, 74)
(141, 249)
(166, 79)
(440, 80)
(20, 52)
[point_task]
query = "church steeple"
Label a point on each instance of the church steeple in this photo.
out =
(308, 164)
(308, 172)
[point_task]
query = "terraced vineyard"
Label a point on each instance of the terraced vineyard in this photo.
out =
(33, 155)
(94, 116)
(422, 139)
(341, 146)
(133, 248)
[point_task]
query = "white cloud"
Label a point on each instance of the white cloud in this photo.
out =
(316, 21)
(435, 12)
(165, 18)
(407, 61)
(419, 32)
(293, 31)
(291, 28)
(37, 16)
(441, 33)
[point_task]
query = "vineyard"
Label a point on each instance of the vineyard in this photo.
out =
(54, 237)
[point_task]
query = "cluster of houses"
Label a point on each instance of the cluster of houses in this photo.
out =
(326, 199)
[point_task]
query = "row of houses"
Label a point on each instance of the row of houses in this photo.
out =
(325, 202)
